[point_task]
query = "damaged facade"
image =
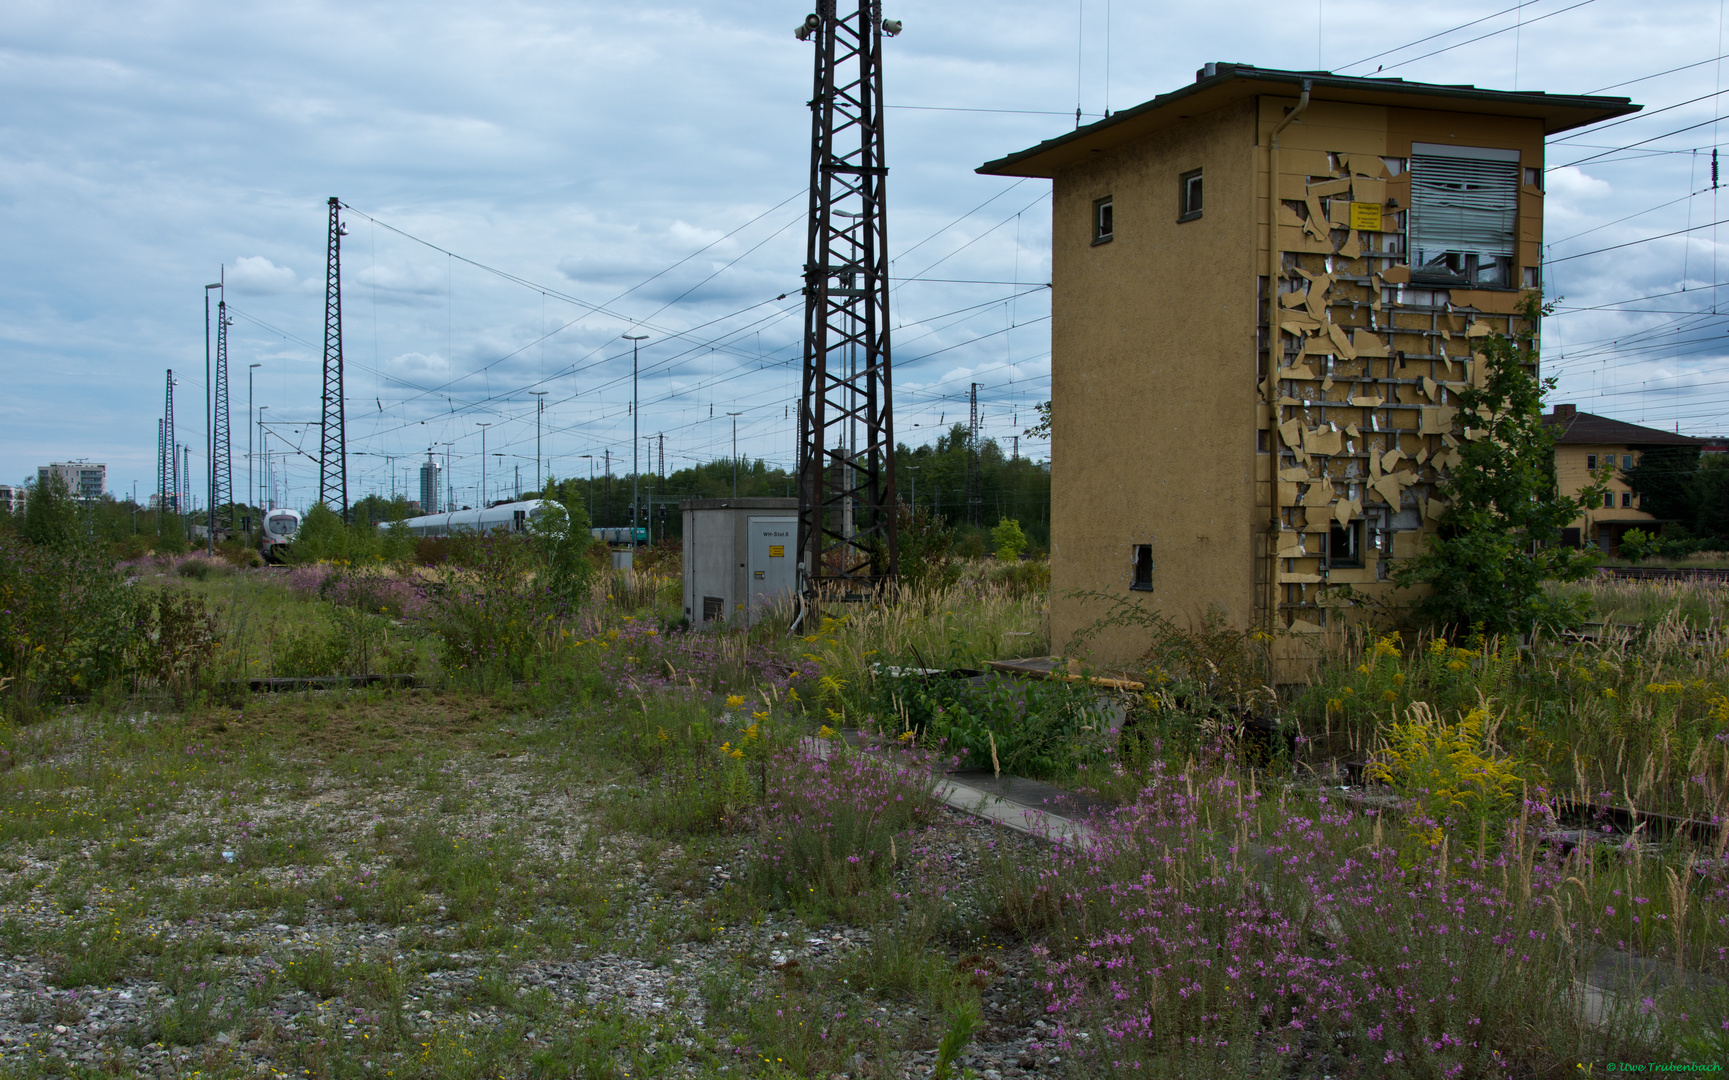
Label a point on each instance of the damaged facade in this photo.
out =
(1266, 290)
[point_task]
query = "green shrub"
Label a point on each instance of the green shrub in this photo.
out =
(69, 623)
(1008, 539)
(1021, 727)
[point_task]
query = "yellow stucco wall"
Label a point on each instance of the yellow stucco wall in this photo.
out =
(1572, 473)
(1153, 345)
(1158, 376)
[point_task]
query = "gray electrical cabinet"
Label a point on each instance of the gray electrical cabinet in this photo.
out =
(740, 558)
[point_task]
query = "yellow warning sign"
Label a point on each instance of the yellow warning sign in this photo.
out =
(777, 551)
(1366, 215)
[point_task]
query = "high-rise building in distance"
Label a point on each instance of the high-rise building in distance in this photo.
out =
(82, 478)
(430, 474)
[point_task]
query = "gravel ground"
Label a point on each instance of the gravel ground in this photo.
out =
(243, 926)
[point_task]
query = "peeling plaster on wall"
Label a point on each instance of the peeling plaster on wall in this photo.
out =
(1366, 368)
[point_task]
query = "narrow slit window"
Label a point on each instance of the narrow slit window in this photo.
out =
(1189, 196)
(1102, 224)
(1464, 214)
(1345, 545)
(1143, 576)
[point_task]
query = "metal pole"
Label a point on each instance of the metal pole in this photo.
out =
(635, 419)
(734, 453)
(539, 407)
(250, 491)
(264, 473)
(209, 430)
(483, 425)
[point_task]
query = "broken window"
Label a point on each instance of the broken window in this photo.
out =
(1101, 219)
(1464, 214)
(1345, 544)
(1143, 580)
(1189, 196)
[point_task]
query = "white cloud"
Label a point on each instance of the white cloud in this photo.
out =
(1575, 184)
(254, 275)
(415, 365)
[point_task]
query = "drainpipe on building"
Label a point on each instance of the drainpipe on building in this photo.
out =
(1275, 350)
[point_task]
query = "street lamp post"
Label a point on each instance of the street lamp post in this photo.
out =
(635, 418)
(483, 425)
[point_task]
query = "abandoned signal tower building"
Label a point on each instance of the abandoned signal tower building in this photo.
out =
(1266, 290)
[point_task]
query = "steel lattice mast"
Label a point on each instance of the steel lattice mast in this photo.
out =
(222, 465)
(974, 502)
(846, 531)
(168, 463)
(332, 443)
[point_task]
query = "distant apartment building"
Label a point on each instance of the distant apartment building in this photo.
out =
(11, 499)
(83, 479)
(1585, 444)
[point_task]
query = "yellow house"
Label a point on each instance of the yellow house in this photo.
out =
(1222, 445)
(1585, 443)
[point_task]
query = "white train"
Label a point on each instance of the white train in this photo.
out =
(512, 517)
(280, 525)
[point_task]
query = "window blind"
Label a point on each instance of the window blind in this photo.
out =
(1463, 205)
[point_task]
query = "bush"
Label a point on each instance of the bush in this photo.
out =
(1009, 539)
(69, 623)
(926, 550)
(1022, 727)
(324, 537)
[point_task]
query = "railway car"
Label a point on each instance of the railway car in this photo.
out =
(280, 525)
(511, 517)
(621, 535)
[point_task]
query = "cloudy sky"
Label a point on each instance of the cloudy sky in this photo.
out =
(529, 181)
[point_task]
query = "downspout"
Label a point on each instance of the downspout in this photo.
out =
(1275, 351)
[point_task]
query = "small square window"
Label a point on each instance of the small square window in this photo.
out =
(1531, 277)
(1143, 581)
(1591, 462)
(1102, 220)
(1608, 500)
(1189, 196)
(1345, 544)
(1626, 461)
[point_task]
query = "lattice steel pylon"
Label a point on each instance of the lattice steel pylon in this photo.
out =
(332, 442)
(168, 455)
(222, 465)
(975, 501)
(846, 486)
